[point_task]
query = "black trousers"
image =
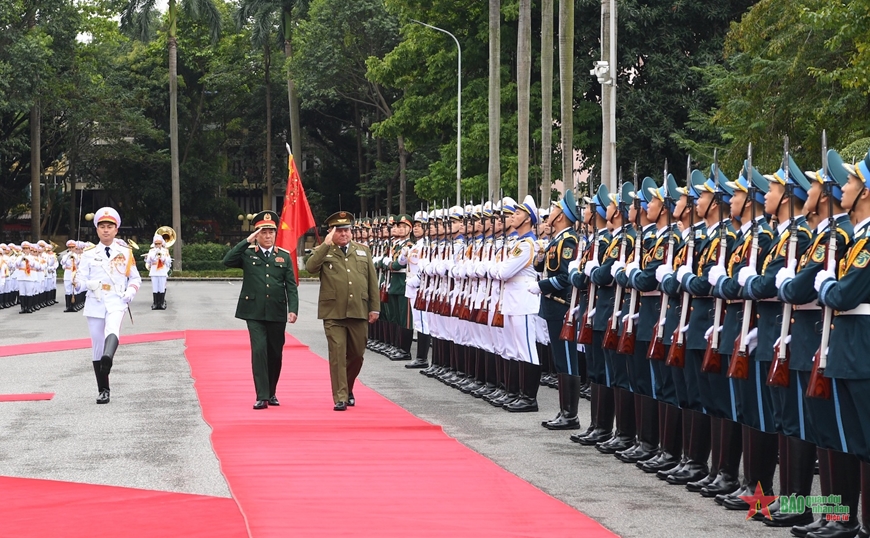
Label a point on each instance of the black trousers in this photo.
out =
(267, 346)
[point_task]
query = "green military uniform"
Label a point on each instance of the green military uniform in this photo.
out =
(268, 294)
(348, 293)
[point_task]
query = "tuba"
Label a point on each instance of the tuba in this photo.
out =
(168, 235)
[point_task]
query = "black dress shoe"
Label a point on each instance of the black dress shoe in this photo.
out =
(742, 491)
(664, 462)
(772, 509)
(663, 475)
(864, 532)
(522, 405)
(575, 437)
(615, 444)
(351, 401)
(261, 404)
(340, 406)
(724, 484)
(562, 422)
(735, 503)
(103, 398)
(803, 530)
(274, 401)
(418, 363)
(691, 472)
(597, 436)
(837, 529)
(696, 485)
(641, 452)
(780, 519)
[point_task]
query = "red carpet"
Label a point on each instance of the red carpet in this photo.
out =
(84, 343)
(47, 508)
(26, 397)
(375, 470)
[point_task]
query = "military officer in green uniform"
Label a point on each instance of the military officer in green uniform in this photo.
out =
(267, 302)
(349, 298)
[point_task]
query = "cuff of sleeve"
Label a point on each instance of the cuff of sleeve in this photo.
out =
(748, 287)
(823, 291)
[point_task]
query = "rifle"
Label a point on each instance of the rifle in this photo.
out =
(712, 363)
(426, 252)
(498, 317)
(481, 314)
(656, 349)
(585, 336)
(820, 386)
(446, 281)
(458, 310)
(385, 295)
(569, 331)
(677, 351)
(611, 334)
(629, 335)
(778, 375)
(739, 367)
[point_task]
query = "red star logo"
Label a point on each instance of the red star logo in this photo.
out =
(759, 502)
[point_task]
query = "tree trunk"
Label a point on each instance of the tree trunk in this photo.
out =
(608, 101)
(546, 101)
(173, 139)
(494, 96)
(35, 172)
(566, 89)
(295, 131)
(403, 176)
(360, 161)
(270, 187)
(524, 73)
(73, 214)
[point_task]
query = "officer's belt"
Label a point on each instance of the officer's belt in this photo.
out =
(862, 309)
(807, 306)
(557, 299)
(655, 293)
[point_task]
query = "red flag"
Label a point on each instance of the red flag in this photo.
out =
(296, 217)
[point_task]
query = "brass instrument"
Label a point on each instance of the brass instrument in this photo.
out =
(168, 235)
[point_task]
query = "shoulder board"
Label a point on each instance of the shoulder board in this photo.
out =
(122, 243)
(731, 234)
(844, 233)
(89, 248)
(282, 250)
(649, 235)
(806, 231)
(767, 231)
(252, 245)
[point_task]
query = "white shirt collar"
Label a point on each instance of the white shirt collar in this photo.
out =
(862, 224)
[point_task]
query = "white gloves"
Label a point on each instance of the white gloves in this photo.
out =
(590, 266)
(617, 265)
(128, 295)
(662, 271)
(787, 340)
(631, 267)
(534, 288)
(591, 313)
(710, 331)
(716, 272)
(682, 272)
(785, 274)
(574, 265)
(633, 317)
(744, 275)
(821, 277)
(751, 339)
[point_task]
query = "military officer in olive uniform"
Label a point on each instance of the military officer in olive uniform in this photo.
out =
(349, 297)
(267, 302)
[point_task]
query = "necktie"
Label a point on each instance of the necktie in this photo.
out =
(108, 252)
(344, 250)
(266, 253)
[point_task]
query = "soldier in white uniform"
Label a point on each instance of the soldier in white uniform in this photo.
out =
(69, 261)
(29, 274)
(109, 272)
(158, 262)
(520, 305)
(415, 260)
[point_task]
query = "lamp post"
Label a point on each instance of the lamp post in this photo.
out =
(458, 110)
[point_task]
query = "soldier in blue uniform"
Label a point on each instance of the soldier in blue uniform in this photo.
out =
(848, 293)
(602, 399)
(819, 427)
(555, 290)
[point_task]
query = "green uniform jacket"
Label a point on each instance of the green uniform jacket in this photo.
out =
(556, 289)
(268, 287)
(398, 272)
(348, 283)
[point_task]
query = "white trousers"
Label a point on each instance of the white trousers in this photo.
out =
(100, 328)
(519, 333)
(158, 284)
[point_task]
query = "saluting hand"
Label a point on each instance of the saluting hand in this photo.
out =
(253, 236)
(328, 239)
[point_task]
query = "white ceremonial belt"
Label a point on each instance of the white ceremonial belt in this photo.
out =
(528, 279)
(862, 309)
(807, 306)
(655, 293)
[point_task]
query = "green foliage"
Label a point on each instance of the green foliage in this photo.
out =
(203, 252)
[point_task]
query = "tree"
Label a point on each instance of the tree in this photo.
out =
(494, 95)
(566, 89)
(546, 101)
(524, 73)
(138, 18)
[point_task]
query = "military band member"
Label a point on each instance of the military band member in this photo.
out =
(555, 290)
(158, 262)
(349, 299)
(109, 272)
(268, 300)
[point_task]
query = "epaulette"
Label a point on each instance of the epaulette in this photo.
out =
(767, 231)
(843, 233)
(252, 245)
(122, 243)
(649, 235)
(731, 234)
(806, 230)
(89, 248)
(282, 249)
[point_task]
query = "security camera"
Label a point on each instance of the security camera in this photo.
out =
(601, 71)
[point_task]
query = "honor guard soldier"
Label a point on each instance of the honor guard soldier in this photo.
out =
(69, 262)
(415, 260)
(158, 262)
(400, 307)
(268, 300)
(109, 272)
(555, 290)
(844, 291)
(349, 300)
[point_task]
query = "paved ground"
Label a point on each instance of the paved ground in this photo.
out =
(152, 434)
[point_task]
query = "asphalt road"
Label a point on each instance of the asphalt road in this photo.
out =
(153, 436)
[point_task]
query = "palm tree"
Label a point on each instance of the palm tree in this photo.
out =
(566, 89)
(138, 18)
(262, 14)
(494, 96)
(524, 72)
(546, 100)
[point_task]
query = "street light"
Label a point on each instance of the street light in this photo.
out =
(458, 110)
